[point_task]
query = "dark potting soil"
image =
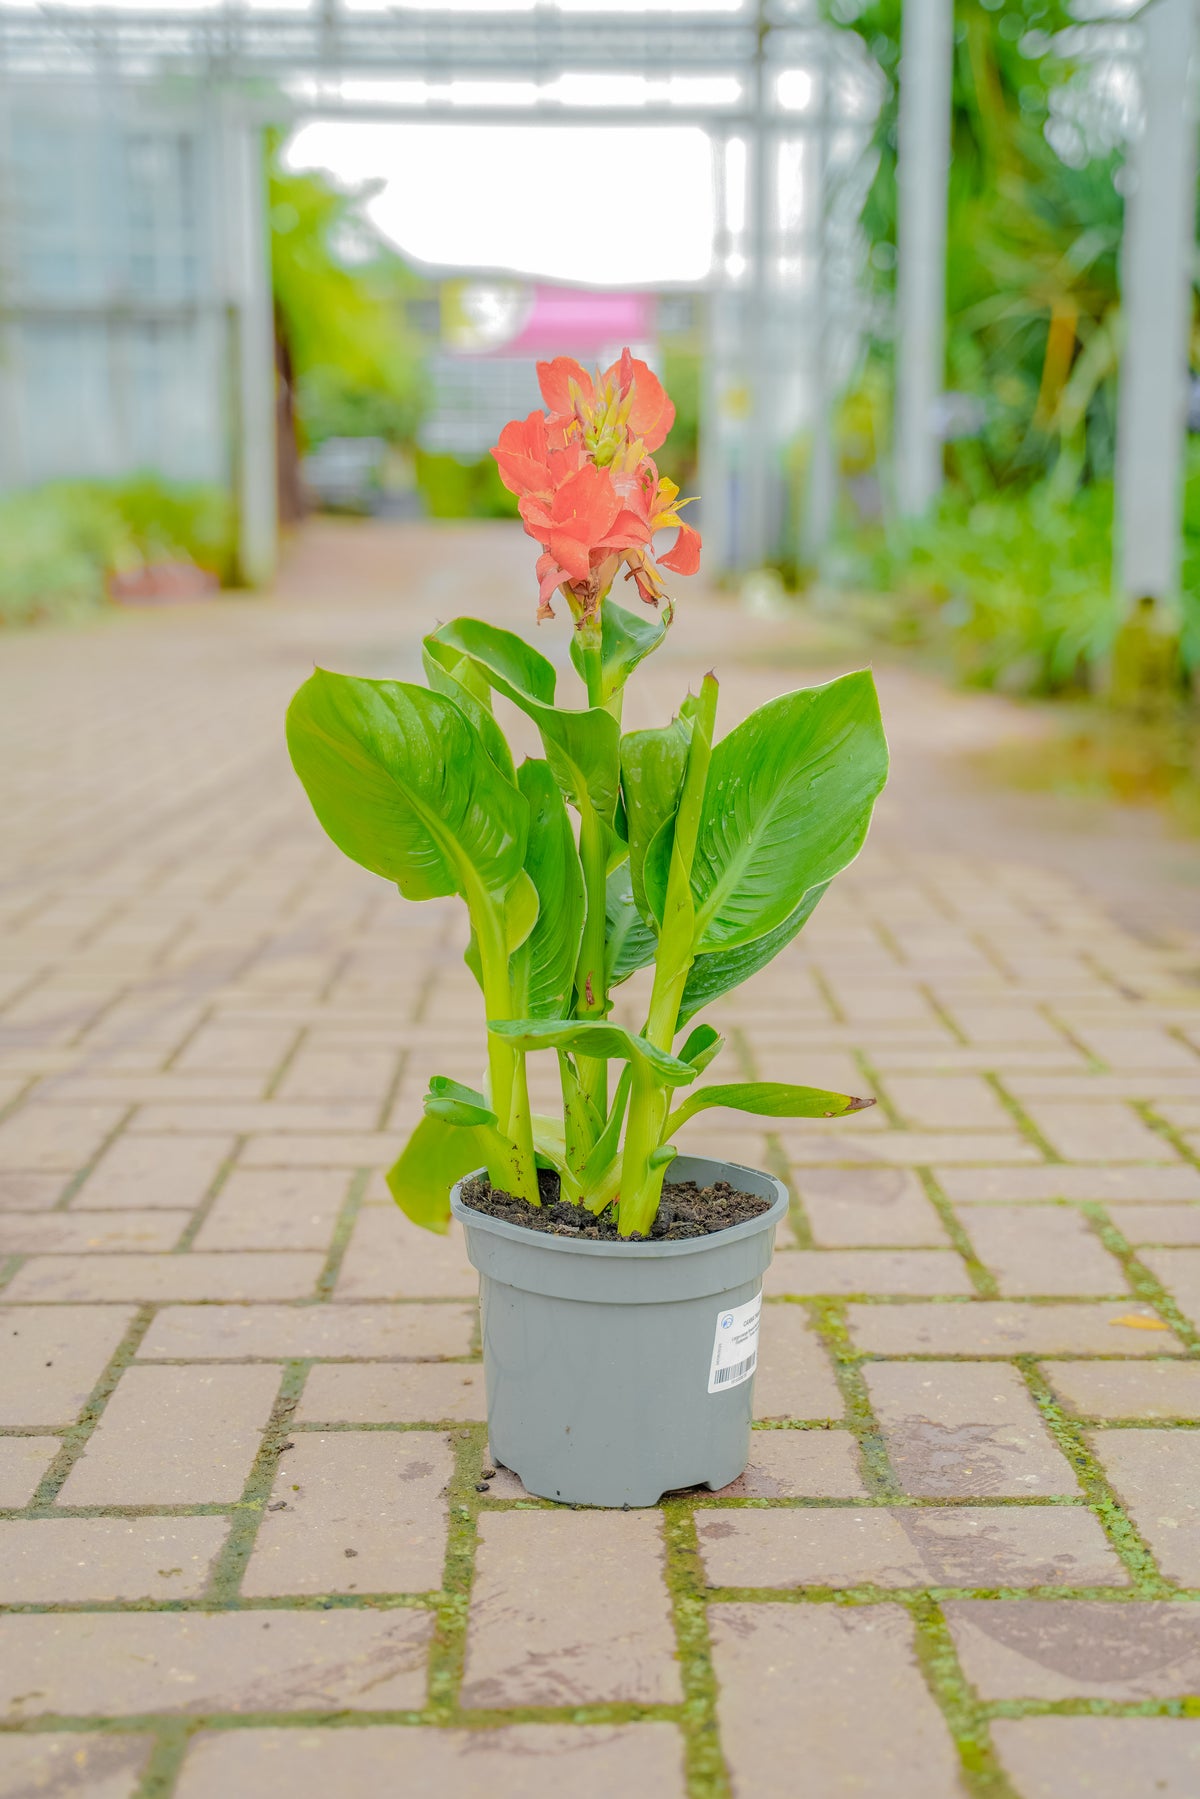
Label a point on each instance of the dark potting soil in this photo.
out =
(685, 1210)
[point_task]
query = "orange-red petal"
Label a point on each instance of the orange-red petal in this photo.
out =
(683, 558)
(555, 378)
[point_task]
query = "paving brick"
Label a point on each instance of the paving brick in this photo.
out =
(361, 1512)
(960, 1431)
(37, 1233)
(53, 1359)
(852, 1208)
(1128, 1389)
(1042, 1249)
(174, 1436)
(908, 1271)
(257, 1274)
(570, 1608)
(954, 1103)
(222, 1045)
(154, 1171)
(800, 1464)
(1100, 1758)
(912, 1149)
(275, 1332)
(24, 1192)
(1178, 1224)
(1179, 1272)
(392, 1393)
(522, 1761)
(1058, 1181)
(1077, 1648)
(1156, 1475)
(1007, 1328)
(362, 1073)
(258, 1117)
(72, 1765)
(390, 1258)
(794, 1378)
(1131, 1047)
(945, 1546)
(56, 1138)
(1098, 1131)
(23, 1461)
(833, 1691)
(275, 1209)
(325, 1149)
(54, 1561)
(96, 1663)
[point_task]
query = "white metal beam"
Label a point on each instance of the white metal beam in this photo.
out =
(922, 173)
(1157, 262)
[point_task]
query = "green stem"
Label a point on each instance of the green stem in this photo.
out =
(506, 1066)
(592, 658)
(641, 1183)
(591, 992)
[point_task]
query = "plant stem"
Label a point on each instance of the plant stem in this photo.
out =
(506, 1066)
(593, 663)
(591, 992)
(640, 1184)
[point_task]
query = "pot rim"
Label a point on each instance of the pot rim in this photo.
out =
(647, 1251)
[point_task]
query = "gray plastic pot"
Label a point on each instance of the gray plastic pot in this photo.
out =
(617, 1372)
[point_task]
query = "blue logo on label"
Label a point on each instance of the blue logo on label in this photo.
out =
(727, 1321)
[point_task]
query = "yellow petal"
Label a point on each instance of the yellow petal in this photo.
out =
(1135, 1321)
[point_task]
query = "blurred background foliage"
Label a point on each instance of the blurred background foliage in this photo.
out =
(1011, 579)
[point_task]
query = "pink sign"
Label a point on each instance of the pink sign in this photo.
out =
(577, 322)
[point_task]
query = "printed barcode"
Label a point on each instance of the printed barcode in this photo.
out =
(736, 1370)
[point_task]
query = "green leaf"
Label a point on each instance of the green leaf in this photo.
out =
(436, 1156)
(629, 943)
(592, 1037)
(702, 1047)
(458, 1105)
(768, 1099)
(471, 693)
(652, 770)
(786, 805)
(581, 747)
(553, 866)
(711, 976)
(625, 638)
(510, 665)
(400, 780)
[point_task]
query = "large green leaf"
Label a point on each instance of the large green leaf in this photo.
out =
(436, 1156)
(625, 638)
(629, 943)
(552, 864)
(652, 770)
(460, 680)
(592, 1037)
(711, 976)
(581, 747)
(512, 666)
(786, 805)
(400, 780)
(767, 1099)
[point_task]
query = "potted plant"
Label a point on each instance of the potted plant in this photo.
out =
(620, 1280)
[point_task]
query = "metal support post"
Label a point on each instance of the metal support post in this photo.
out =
(1157, 258)
(922, 174)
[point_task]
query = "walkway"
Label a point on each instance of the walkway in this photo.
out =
(250, 1548)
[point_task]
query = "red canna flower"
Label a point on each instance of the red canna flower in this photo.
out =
(587, 488)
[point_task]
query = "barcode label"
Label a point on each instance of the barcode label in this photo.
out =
(735, 1346)
(726, 1377)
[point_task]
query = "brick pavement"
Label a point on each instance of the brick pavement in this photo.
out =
(247, 1546)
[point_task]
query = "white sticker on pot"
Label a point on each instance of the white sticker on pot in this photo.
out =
(735, 1346)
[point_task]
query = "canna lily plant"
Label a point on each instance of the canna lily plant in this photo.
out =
(615, 850)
